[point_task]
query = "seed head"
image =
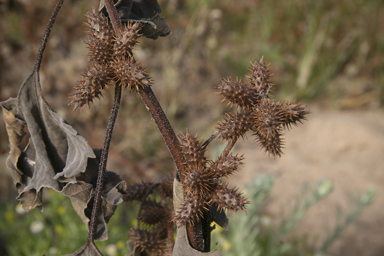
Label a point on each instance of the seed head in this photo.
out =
(90, 86)
(260, 78)
(131, 74)
(238, 93)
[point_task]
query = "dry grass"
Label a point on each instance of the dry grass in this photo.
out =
(317, 49)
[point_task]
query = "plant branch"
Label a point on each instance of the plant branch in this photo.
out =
(107, 141)
(171, 240)
(163, 124)
(103, 162)
(228, 148)
(150, 99)
(47, 32)
(114, 17)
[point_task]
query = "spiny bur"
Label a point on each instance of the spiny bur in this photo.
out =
(197, 180)
(125, 42)
(131, 74)
(100, 38)
(137, 191)
(229, 198)
(93, 81)
(154, 218)
(201, 178)
(148, 241)
(292, 113)
(235, 125)
(260, 78)
(238, 93)
(226, 166)
(111, 60)
(272, 145)
(193, 151)
(256, 112)
(268, 118)
(153, 213)
(191, 210)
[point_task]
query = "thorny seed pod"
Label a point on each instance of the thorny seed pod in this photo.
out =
(90, 86)
(291, 113)
(191, 210)
(124, 43)
(236, 125)
(97, 26)
(238, 93)
(260, 78)
(167, 185)
(152, 242)
(197, 181)
(226, 166)
(137, 191)
(152, 213)
(192, 150)
(273, 144)
(268, 118)
(131, 74)
(161, 229)
(99, 41)
(229, 198)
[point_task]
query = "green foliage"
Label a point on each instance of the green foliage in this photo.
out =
(256, 234)
(58, 230)
(252, 234)
(310, 43)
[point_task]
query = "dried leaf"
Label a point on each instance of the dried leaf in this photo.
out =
(219, 216)
(182, 246)
(56, 157)
(87, 250)
(144, 11)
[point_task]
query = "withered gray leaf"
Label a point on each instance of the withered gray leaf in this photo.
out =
(182, 246)
(87, 250)
(147, 12)
(218, 216)
(56, 157)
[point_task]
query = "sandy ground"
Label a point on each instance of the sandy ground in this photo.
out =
(345, 147)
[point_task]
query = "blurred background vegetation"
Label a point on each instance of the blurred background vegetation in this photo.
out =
(326, 52)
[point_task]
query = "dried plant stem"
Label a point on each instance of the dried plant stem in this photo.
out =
(104, 154)
(43, 44)
(150, 99)
(47, 33)
(171, 239)
(163, 124)
(113, 15)
(195, 235)
(103, 162)
(228, 148)
(209, 140)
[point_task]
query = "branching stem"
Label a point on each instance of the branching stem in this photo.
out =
(171, 240)
(107, 141)
(163, 124)
(115, 20)
(47, 32)
(103, 162)
(228, 148)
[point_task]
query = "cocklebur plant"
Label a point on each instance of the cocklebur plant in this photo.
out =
(198, 194)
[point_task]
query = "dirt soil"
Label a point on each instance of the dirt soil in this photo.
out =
(345, 147)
